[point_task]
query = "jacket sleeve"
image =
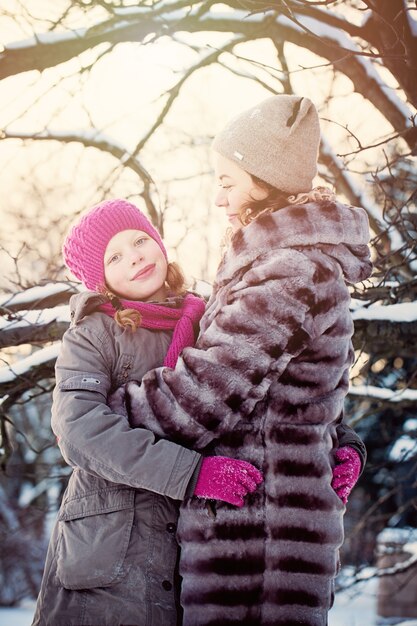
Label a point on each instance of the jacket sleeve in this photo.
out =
(260, 326)
(95, 438)
(348, 437)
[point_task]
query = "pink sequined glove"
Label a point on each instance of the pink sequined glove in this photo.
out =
(346, 472)
(221, 478)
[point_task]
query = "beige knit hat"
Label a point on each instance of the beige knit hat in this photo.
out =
(276, 140)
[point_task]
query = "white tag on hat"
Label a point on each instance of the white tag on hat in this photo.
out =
(238, 155)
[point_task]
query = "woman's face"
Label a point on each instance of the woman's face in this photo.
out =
(237, 189)
(135, 267)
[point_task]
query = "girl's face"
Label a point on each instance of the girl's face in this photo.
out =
(135, 267)
(236, 189)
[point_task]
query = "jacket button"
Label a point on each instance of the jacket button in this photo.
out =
(171, 528)
(166, 585)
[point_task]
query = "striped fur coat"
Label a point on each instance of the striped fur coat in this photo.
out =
(266, 383)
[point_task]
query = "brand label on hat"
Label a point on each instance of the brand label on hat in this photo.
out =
(238, 155)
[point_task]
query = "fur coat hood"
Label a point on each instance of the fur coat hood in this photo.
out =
(339, 230)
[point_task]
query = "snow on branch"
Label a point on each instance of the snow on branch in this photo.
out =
(370, 392)
(398, 568)
(401, 312)
(34, 326)
(94, 139)
(346, 56)
(391, 291)
(41, 360)
(90, 139)
(39, 297)
(385, 329)
(29, 318)
(333, 41)
(371, 572)
(385, 337)
(342, 42)
(45, 50)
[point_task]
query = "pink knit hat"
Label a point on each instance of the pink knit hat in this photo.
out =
(87, 240)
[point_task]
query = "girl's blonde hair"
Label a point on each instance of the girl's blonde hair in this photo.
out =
(131, 318)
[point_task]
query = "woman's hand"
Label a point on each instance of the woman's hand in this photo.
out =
(346, 472)
(230, 480)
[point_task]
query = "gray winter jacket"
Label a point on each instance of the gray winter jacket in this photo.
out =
(113, 552)
(266, 383)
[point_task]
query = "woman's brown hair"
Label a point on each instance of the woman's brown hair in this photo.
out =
(277, 199)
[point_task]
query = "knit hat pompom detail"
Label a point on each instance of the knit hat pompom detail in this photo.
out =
(277, 140)
(87, 240)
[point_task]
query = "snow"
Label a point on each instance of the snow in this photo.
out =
(410, 424)
(87, 136)
(403, 449)
(30, 318)
(19, 616)
(35, 294)
(356, 304)
(237, 15)
(175, 14)
(403, 536)
(380, 393)
(54, 37)
(355, 606)
(50, 38)
(8, 374)
(402, 312)
(413, 24)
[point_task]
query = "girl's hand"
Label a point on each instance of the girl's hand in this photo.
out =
(230, 480)
(346, 472)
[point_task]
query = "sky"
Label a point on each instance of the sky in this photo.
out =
(119, 98)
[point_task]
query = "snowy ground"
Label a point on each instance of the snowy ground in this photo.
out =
(21, 616)
(355, 607)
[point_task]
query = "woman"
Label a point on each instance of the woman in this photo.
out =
(267, 379)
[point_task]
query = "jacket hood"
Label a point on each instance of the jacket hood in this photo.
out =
(85, 303)
(339, 230)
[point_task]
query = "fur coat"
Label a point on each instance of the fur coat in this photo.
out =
(266, 383)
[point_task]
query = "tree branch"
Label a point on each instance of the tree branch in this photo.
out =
(95, 139)
(333, 44)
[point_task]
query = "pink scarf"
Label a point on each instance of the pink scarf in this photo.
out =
(159, 316)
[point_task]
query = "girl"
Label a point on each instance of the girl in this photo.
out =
(113, 552)
(267, 379)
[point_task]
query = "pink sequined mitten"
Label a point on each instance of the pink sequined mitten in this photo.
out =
(230, 480)
(346, 471)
